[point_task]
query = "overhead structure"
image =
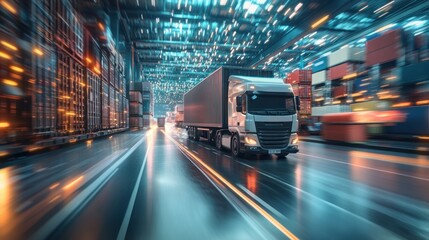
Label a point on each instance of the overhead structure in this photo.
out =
(179, 42)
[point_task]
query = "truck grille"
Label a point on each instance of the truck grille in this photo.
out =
(273, 135)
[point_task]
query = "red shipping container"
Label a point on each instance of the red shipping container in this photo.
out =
(305, 91)
(299, 77)
(384, 55)
(341, 70)
(305, 106)
(388, 39)
(340, 91)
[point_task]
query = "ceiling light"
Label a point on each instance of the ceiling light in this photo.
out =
(223, 2)
(320, 21)
(253, 8)
(280, 8)
(247, 5)
(292, 15)
(298, 6)
(269, 8)
(287, 11)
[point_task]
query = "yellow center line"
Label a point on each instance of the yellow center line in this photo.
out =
(249, 201)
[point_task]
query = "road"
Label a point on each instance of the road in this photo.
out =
(157, 184)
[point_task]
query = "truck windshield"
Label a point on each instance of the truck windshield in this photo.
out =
(264, 104)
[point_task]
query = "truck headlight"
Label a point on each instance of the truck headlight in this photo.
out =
(294, 139)
(250, 141)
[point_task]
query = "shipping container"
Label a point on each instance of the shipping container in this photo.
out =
(136, 122)
(384, 48)
(370, 106)
(384, 55)
(71, 98)
(126, 113)
(146, 120)
(105, 108)
(136, 96)
(305, 107)
(320, 111)
(93, 106)
(105, 64)
(319, 77)
(339, 91)
(136, 109)
(112, 105)
(346, 54)
(299, 77)
(303, 91)
(320, 64)
(415, 73)
(345, 70)
(388, 39)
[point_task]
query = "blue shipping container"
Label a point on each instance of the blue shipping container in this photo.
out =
(416, 123)
(320, 64)
(414, 73)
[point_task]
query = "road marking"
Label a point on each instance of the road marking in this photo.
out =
(370, 168)
(240, 194)
(126, 221)
(259, 200)
(82, 198)
(195, 152)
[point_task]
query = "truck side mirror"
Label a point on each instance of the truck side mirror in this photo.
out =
(298, 103)
(239, 107)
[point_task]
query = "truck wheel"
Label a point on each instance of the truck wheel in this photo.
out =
(196, 135)
(219, 141)
(235, 146)
(281, 156)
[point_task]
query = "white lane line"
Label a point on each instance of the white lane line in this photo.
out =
(260, 201)
(370, 168)
(83, 197)
(126, 221)
(195, 152)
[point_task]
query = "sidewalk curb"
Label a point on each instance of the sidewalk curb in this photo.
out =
(368, 146)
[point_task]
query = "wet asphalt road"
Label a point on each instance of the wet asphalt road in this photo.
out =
(157, 184)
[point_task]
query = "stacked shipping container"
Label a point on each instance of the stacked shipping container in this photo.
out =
(59, 80)
(301, 84)
(136, 109)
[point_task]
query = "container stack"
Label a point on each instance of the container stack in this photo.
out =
(301, 84)
(333, 80)
(397, 62)
(136, 109)
(58, 76)
(93, 83)
(147, 96)
(43, 88)
(344, 67)
(71, 99)
(15, 113)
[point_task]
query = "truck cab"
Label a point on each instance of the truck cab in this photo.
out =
(262, 117)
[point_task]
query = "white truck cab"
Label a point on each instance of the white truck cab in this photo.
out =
(262, 117)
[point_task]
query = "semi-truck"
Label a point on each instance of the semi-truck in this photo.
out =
(247, 111)
(178, 110)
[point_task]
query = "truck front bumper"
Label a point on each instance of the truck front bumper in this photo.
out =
(259, 150)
